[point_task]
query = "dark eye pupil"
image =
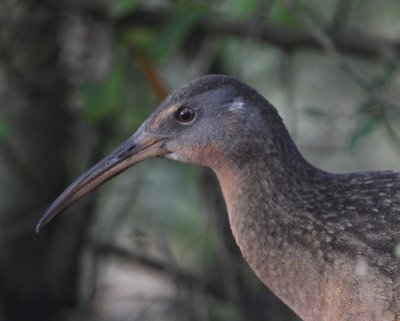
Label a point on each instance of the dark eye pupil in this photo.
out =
(185, 114)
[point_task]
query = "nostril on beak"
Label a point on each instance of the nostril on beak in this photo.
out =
(126, 151)
(130, 148)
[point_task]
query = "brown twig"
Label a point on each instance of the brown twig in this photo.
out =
(151, 73)
(352, 43)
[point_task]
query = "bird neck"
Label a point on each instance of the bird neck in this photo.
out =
(263, 198)
(265, 189)
(265, 179)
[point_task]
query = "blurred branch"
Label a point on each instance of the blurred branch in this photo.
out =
(151, 73)
(315, 31)
(328, 42)
(352, 43)
(341, 15)
(349, 42)
(189, 279)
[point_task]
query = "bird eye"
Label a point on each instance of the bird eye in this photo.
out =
(185, 114)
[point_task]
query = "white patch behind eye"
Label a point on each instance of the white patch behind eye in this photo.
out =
(237, 104)
(174, 156)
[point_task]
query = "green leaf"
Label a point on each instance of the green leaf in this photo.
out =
(370, 116)
(362, 129)
(121, 7)
(175, 30)
(5, 129)
(389, 71)
(106, 98)
(280, 14)
(239, 9)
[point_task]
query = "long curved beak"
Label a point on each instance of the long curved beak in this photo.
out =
(135, 149)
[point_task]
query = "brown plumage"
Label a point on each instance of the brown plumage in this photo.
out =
(324, 243)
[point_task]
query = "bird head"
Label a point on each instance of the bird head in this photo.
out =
(208, 121)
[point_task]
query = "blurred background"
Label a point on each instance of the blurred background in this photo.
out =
(77, 77)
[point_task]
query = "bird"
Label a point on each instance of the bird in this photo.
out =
(327, 244)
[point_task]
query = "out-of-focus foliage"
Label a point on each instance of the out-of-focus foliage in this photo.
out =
(5, 129)
(121, 7)
(78, 77)
(105, 99)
